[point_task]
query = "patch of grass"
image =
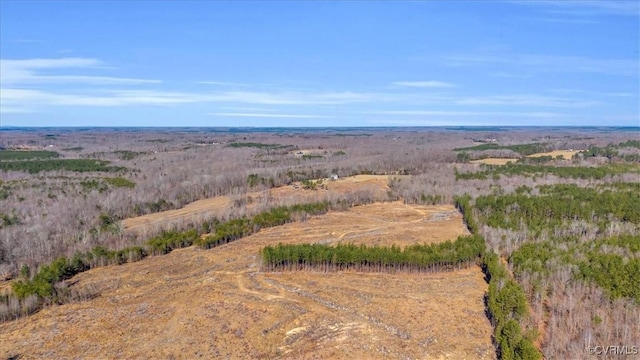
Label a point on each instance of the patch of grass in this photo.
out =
(5, 191)
(120, 182)
(8, 219)
(93, 184)
(630, 143)
(311, 156)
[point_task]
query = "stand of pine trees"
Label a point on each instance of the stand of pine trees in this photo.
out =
(447, 256)
(507, 306)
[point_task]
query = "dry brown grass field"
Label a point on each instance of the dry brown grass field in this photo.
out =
(567, 154)
(215, 303)
(493, 161)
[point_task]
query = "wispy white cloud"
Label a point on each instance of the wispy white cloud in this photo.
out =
(424, 84)
(567, 20)
(592, 94)
(32, 99)
(80, 79)
(456, 113)
(24, 41)
(14, 110)
(620, 94)
(30, 72)
(224, 83)
(509, 75)
(526, 100)
(26, 85)
(297, 98)
(43, 63)
(270, 115)
(585, 7)
(35, 85)
(550, 63)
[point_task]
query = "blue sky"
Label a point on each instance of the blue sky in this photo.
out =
(294, 63)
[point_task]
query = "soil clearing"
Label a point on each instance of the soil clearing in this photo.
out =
(215, 303)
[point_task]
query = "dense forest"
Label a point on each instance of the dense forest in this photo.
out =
(563, 243)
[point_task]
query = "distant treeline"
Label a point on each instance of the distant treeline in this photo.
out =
(259, 145)
(121, 154)
(612, 151)
(77, 165)
(9, 155)
(449, 255)
(573, 172)
(523, 149)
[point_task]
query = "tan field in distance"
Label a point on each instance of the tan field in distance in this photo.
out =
(195, 303)
(567, 154)
(493, 161)
(294, 193)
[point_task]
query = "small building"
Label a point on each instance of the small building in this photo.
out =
(333, 177)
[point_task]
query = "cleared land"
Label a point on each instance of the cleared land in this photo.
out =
(493, 161)
(207, 208)
(567, 154)
(214, 303)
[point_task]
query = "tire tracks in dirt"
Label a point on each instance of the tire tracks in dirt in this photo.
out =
(335, 306)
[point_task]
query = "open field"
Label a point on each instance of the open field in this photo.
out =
(207, 208)
(195, 303)
(567, 154)
(493, 161)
